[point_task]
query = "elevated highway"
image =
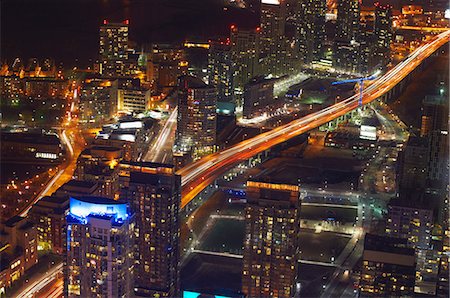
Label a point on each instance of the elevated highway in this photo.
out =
(198, 175)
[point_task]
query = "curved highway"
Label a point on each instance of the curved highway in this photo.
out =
(198, 175)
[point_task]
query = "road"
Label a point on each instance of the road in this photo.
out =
(161, 147)
(198, 175)
(74, 142)
(41, 283)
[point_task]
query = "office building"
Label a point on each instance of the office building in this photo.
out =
(311, 30)
(99, 248)
(382, 34)
(259, 99)
(245, 51)
(271, 244)
(388, 267)
(221, 69)
(408, 219)
(196, 121)
(154, 191)
(113, 50)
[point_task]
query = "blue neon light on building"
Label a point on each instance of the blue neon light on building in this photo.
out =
(82, 207)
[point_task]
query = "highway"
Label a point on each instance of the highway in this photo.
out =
(198, 175)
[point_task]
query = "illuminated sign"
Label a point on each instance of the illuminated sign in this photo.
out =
(188, 294)
(46, 155)
(273, 2)
(84, 207)
(368, 132)
(130, 125)
(273, 186)
(447, 13)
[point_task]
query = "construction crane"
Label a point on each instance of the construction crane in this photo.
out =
(360, 81)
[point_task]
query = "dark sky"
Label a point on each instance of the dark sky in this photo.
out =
(68, 30)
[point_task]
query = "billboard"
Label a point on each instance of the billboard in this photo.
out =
(368, 132)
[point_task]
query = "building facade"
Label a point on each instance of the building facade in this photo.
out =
(410, 221)
(196, 121)
(221, 69)
(113, 50)
(388, 267)
(311, 29)
(154, 191)
(271, 245)
(99, 243)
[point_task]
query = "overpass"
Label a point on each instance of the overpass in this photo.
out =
(198, 175)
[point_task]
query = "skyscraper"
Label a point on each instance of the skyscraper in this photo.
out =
(311, 29)
(196, 121)
(271, 244)
(113, 49)
(347, 40)
(382, 34)
(221, 69)
(272, 39)
(245, 49)
(347, 20)
(153, 191)
(99, 258)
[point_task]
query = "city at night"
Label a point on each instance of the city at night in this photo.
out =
(224, 148)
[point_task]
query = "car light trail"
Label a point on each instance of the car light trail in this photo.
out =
(198, 175)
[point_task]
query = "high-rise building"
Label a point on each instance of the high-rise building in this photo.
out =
(311, 29)
(412, 166)
(153, 190)
(196, 121)
(388, 267)
(435, 126)
(348, 12)
(347, 40)
(221, 69)
(408, 219)
(382, 34)
(245, 49)
(272, 40)
(99, 248)
(271, 245)
(113, 49)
